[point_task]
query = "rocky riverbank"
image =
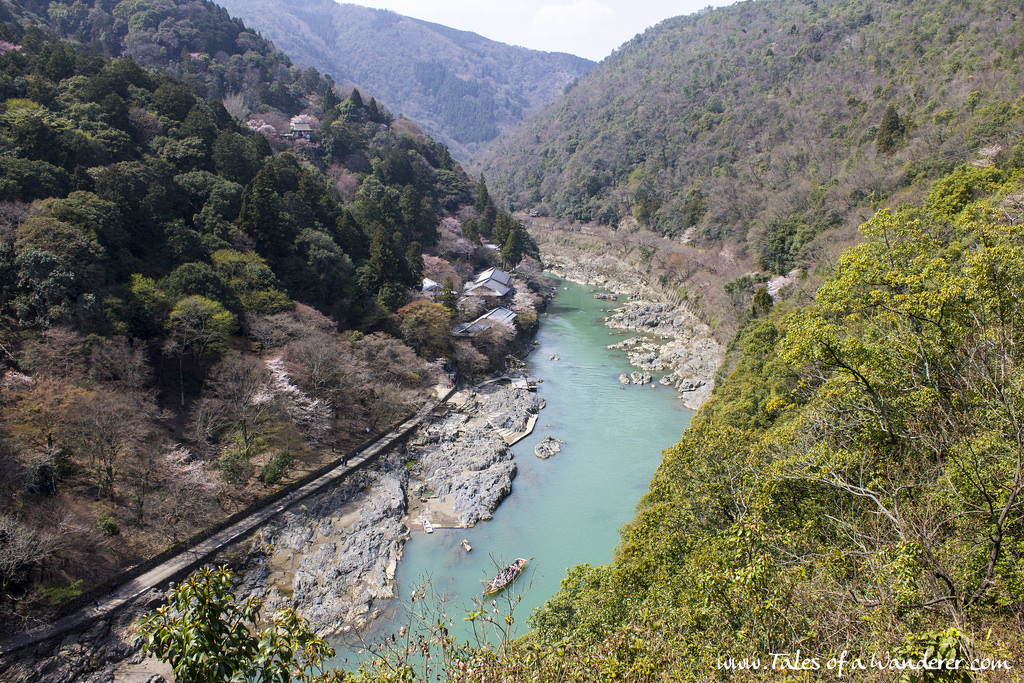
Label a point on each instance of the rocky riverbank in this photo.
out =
(679, 344)
(598, 270)
(105, 652)
(334, 556)
(461, 465)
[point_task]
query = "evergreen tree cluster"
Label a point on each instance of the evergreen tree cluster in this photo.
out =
(149, 194)
(198, 42)
(504, 231)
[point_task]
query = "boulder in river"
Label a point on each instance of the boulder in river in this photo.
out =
(547, 447)
(624, 378)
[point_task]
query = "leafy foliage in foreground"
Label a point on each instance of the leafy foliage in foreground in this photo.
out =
(207, 637)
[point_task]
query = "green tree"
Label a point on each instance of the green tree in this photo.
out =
(259, 216)
(200, 326)
(230, 157)
(448, 297)
(327, 268)
(199, 124)
(485, 209)
(504, 224)
(251, 281)
(763, 301)
(414, 265)
(515, 245)
(208, 637)
(385, 262)
(426, 326)
(329, 102)
(483, 198)
(471, 229)
(173, 100)
(409, 205)
(195, 278)
(890, 131)
(780, 243)
(356, 99)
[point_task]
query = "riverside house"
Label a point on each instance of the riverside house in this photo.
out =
(495, 316)
(493, 282)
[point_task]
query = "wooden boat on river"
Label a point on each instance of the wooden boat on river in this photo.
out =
(504, 577)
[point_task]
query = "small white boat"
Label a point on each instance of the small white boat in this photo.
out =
(428, 527)
(465, 545)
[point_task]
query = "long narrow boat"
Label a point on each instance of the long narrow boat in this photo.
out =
(504, 577)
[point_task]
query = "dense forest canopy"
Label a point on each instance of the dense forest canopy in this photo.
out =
(147, 180)
(194, 40)
(773, 122)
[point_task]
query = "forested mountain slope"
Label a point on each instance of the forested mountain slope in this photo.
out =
(773, 121)
(192, 309)
(194, 40)
(464, 89)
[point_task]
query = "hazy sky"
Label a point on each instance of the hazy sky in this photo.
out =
(588, 28)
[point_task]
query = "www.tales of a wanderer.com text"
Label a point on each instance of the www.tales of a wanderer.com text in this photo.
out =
(846, 663)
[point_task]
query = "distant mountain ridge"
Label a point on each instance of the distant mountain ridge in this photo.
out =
(463, 88)
(774, 122)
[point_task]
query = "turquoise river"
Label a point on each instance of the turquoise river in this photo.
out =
(566, 510)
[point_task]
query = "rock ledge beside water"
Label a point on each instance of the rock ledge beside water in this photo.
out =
(333, 557)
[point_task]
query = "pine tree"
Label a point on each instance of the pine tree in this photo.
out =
(483, 198)
(375, 112)
(328, 106)
(356, 99)
(515, 244)
(199, 124)
(414, 264)
(409, 207)
(349, 237)
(448, 297)
(260, 213)
(890, 131)
(504, 225)
(386, 263)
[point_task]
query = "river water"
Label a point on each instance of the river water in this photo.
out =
(566, 510)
